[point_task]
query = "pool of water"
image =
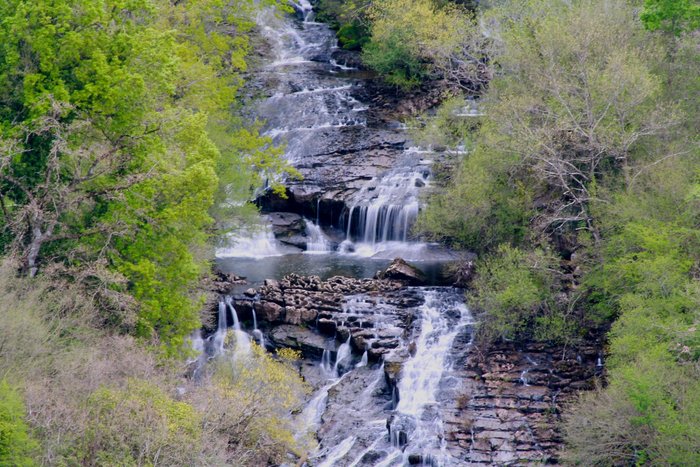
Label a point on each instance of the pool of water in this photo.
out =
(324, 266)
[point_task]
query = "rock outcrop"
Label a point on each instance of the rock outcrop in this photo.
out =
(400, 270)
(499, 407)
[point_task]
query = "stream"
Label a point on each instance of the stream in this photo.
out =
(396, 381)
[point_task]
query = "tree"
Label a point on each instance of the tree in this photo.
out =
(576, 106)
(17, 446)
(673, 16)
(410, 41)
(117, 143)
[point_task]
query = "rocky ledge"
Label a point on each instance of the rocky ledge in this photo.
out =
(498, 407)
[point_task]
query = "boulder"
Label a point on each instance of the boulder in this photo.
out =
(400, 270)
(299, 338)
(269, 311)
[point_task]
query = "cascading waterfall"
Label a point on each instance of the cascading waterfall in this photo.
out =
(344, 351)
(416, 427)
(307, 102)
(381, 215)
(219, 338)
(318, 242)
(242, 344)
(326, 365)
(257, 333)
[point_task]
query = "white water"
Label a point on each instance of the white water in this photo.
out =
(318, 242)
(344, 351)
(251, 244)
(338, 452)
(326, 365)
(416, 413)
(242, 340)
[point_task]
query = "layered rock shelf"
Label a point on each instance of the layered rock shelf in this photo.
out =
(498, 406)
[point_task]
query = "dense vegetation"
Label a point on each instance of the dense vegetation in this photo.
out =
(120, 156)
(580, 193)
(122, 153)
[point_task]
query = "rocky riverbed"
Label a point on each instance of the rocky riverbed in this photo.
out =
(399, 380)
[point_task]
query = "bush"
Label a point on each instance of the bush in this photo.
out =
(411, 40)
(514, 290)
(17, 447)
(139, 425)
(250, 400)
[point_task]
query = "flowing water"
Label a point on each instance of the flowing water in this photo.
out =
(315, 106)
(358, 416)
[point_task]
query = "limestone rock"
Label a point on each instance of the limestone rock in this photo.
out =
(400, 270)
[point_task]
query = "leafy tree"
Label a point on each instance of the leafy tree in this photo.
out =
(515, 291)
(413, 40)
(140, 425)
(673, 16)
(117, 144)
(17, 447)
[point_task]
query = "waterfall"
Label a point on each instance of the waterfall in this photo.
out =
(338, 452)
(381, 215)
(251, 244)
(326, 365)
(344, 352)
(363, 361)
(257, 333)
(242, 344)
(416, 424)
(316, 242)
(219, 338)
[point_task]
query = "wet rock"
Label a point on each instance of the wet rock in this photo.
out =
(327, 326)
(285, 224)
(250, 292)
(269, 311)
(400, 270)
(299, 338)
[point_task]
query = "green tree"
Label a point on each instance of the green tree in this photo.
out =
(673, 16)
(17, 447)
(413, 40)
(117, 145)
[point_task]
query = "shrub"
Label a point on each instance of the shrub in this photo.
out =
(17, 447)
(514, 290)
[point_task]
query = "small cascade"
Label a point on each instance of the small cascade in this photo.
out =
(257, 333)
(338, 452)
(363, 361)
(219, 337)
(344, 352)
(416, 428)
(380, 216)
(326, 365)
(317, 242)
(257, 244)
(242, 344)
(304, 8)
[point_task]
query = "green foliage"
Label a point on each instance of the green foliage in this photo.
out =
(566, 116)
(353, 36)
(255, 416)
(449, 127)
(482, 207)
(411, 40)
(17, 447)
(140, 425)
(515, 290)
(349, 18)
(118, 146)
(588, 147)
(673, 16)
